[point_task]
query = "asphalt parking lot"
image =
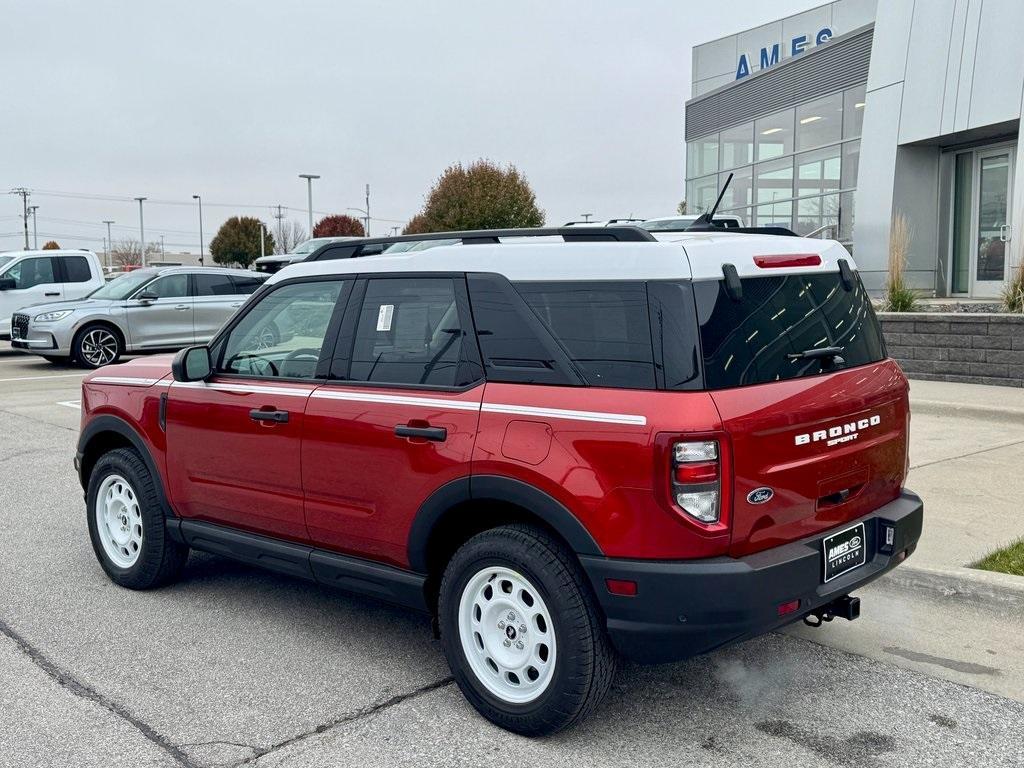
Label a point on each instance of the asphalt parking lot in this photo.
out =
(238, 666)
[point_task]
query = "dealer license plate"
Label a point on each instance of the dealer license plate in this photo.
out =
(844, 551)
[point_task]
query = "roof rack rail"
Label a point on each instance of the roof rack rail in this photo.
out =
(777, 231)
(478, 236)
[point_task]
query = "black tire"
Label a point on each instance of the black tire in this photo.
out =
(82, 348)
(585, 661)
(160, 558)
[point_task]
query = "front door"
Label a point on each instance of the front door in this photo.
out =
(398, 417)
(992, 231)
(159, 315)
(233, 442)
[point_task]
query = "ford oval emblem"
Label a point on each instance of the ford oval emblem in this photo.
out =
(760, 495)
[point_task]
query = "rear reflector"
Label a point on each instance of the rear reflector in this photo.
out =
(703, 472)
(621, 587)
(778, 261)
(787, 608)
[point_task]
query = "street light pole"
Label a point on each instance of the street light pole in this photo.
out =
(200, 199)
(110, 242)
(367, 210)
(309, 188)
(142, 234)
(35, 234)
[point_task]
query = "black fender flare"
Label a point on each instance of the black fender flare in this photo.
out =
(495, 488)
(117, 425)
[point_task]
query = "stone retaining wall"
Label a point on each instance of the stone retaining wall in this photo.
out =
(978, 348)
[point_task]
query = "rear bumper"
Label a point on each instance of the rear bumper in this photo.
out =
(682, 609)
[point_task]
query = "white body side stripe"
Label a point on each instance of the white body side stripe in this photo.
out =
(126, 381)
(559, 413)
(422, 402)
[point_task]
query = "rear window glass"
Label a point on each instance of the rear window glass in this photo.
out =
(748, 341)
(603, 326)
(77, 268)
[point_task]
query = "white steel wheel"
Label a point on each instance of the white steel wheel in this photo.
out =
(119, 521)
(507, 635)
(98, 347)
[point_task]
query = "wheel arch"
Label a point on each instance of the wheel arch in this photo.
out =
(107, 433)
(464, 507)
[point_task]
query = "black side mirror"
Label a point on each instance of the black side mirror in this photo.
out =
(147, 296)
(8, 284)
(192, 364)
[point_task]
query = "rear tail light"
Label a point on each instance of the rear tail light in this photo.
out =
(697, 479)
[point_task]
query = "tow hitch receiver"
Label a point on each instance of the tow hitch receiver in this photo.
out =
(844, 607)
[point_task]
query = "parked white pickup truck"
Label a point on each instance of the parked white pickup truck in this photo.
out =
(32, 277)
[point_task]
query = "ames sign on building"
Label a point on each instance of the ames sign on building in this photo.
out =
(833, 120)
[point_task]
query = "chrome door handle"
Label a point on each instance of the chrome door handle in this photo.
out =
(181, 306)
(236, 306)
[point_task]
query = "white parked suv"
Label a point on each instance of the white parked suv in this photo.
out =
(32, 277)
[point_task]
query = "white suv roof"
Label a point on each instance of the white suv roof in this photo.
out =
(699, 255)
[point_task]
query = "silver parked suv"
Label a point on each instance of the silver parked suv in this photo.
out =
(147, 310)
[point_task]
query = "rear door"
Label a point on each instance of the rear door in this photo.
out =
(826, 436)
(160, 313)
(398, 416)
(214, 301)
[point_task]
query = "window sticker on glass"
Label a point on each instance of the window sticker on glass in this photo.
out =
(384, 315)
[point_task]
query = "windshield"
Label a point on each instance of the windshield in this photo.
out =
(659, 225)
(122, 287)
(5, 260)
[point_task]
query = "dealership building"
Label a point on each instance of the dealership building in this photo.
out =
(836, 120)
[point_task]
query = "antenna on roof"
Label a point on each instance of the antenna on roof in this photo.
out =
(706, 219)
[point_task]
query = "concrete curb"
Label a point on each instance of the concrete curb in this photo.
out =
(987, 587)
(966, 410)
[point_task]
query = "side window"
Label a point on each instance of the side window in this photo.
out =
(168, 287)
(246, 285)
(77, 269)
(603, 326)
(28, 273)
(213, 284)
(281, 336)
(409, 332)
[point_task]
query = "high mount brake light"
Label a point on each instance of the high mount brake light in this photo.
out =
(696, 479)
(781, 260)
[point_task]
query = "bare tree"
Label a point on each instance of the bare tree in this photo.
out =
(288, 235)
(128, 253)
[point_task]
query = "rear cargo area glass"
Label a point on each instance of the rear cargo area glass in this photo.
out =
(748, 341)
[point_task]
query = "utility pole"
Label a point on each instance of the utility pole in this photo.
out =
(280, 230)
(309, 187)
(24, 207)
(110, 244)
(394, 230)
(35, 234)
(142, 233)
(200, 199)
(367, 210)
(163, 253)
(263, 239)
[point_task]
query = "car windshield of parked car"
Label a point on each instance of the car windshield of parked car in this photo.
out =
(122, 287)
(659, 225)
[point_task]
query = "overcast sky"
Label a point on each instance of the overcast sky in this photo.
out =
(232, 100)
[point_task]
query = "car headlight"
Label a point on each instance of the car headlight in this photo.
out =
(49, 317)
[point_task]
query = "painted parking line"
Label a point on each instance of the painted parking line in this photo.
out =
(41, 378)
(77, 405)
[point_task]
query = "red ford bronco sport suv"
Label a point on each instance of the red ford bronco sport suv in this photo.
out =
(563, 451)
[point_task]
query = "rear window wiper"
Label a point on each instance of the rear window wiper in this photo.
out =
(833, 354)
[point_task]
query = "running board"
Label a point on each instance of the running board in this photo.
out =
(351, 574)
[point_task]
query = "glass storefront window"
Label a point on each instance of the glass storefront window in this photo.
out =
(819, 122)
(702, 156)
(741, 189)
(701, 193)
(853, 112)
(774, 135)
(774, 215)
(846, 217)
(773, 180)
(737, 146)
(851, 161)
(817, 172)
